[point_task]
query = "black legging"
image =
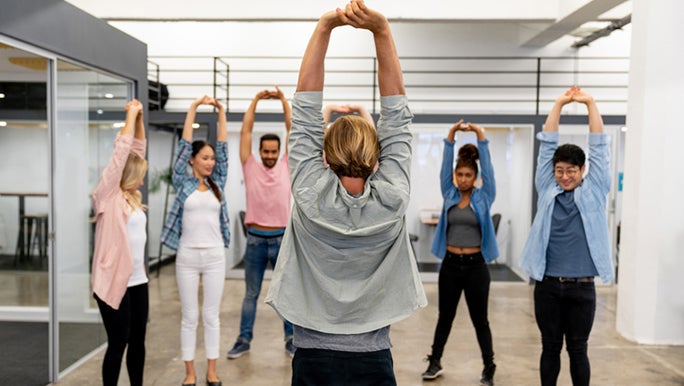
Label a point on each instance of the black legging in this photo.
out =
(472, 278)
(125, 327)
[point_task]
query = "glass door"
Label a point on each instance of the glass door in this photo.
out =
(24, 208)
(89, 112)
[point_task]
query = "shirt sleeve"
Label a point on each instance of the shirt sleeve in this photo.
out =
(305, 153)
(599, 161)
(181, 163)
(543, 178)
(395, 142)
(111, 175)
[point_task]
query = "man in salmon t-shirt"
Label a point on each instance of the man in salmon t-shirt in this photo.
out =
(267, 186)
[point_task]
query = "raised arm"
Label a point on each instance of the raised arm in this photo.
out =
(111, 175)
(248, 125)
(486, 168)
(139, 125)
(191, 114)
(287, 114)
(222, 134)
(312, 69)
(599, 148)
(446, 174)
(390, 78)
(553, 119)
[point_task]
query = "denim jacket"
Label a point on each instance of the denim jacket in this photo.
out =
(589, 196)
(185, 185)
(480, 200)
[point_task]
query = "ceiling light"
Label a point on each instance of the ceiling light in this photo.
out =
(109, 96)
(2, 95)
(3, 123)
(623, 129)
(100, 111)
(195, 126)
(118, 125)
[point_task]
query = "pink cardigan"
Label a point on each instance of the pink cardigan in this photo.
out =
(112, 261)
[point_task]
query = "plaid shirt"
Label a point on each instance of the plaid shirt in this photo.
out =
(185, 185)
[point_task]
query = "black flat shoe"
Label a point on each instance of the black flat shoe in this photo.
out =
(217, 383)
(188, 384)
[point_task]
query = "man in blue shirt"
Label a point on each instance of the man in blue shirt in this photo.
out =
(568, 242)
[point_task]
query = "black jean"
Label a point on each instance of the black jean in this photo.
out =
(126, 326)
(470, 276)
(317, 367)
(564, 310)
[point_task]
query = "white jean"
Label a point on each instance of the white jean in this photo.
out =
(191, 264)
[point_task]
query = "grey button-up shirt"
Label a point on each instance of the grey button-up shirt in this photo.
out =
(345, 264)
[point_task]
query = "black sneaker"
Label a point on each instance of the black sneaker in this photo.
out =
(488, 375)
(240, 348)
(434, 369)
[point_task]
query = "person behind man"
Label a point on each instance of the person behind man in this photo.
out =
(568, 242)
(345, 110)
(267, 187)
(346, 271)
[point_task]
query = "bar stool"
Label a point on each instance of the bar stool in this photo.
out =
(35, 227)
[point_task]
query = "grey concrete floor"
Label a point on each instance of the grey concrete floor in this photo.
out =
(614, 360)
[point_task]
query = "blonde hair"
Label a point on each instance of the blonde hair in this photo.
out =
(133, 173)
(351, 147)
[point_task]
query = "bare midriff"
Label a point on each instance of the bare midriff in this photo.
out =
(463, 250)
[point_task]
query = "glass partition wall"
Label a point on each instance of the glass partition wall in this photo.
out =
(89, 113)
(58, 122)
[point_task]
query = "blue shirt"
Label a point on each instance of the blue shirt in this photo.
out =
(481, 200)
(590, 198)
(567, 254)
(185, 184)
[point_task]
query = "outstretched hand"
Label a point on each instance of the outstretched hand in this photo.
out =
(203, 100)
(133, 108)
(581, 96)
(358, 15)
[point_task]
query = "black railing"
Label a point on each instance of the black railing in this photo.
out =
(504, 85)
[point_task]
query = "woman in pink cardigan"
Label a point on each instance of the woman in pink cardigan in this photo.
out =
(119, 279)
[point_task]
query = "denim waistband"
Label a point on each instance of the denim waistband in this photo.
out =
(266, 234)
(586, 279)
(465, 258)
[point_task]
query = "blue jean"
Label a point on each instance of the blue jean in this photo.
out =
(259, 252)
(564, 310)
(315, 367)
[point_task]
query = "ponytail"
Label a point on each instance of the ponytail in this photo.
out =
(214, 188)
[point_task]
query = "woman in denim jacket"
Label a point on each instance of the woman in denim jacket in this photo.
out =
(465, 239)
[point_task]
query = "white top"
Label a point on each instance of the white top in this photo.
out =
(201, 227)
(137, 236)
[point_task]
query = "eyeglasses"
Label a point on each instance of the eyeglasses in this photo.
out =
(570, 172)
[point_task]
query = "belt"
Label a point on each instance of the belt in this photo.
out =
(588, 279)
(465, 258)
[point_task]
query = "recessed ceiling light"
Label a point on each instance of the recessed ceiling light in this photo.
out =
(623, 129)
(109, 95)
(2, 95)
(3, 123)
(99, 111)
(195, 125)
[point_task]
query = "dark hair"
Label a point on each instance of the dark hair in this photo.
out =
(269, 137)
(569, 153)
(467, 157)
(196, 147)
